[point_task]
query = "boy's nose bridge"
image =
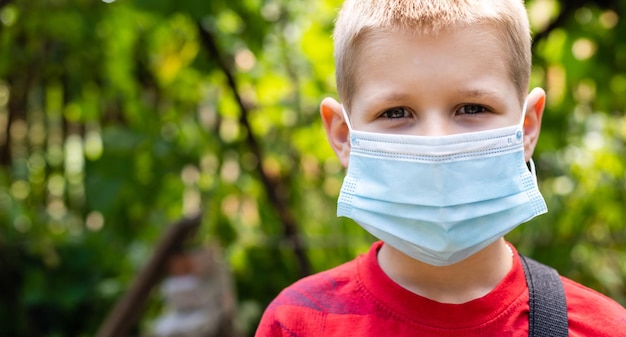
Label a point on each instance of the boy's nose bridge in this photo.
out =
(433, 123)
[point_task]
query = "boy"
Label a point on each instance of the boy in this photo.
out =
(436, 129)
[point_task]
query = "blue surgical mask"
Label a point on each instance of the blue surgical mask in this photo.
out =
(442, 199)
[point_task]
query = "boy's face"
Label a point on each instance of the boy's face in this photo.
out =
(452, 82)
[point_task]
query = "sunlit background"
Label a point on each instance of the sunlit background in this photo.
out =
(118, 118)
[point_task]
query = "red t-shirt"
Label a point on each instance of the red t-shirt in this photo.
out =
(359, 299)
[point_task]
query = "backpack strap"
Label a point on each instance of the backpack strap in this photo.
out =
(548, 309)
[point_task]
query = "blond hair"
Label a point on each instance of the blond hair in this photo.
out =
(360, 18)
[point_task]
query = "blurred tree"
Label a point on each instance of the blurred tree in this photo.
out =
(119, 117)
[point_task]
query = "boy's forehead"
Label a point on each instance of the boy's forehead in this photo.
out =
(467, 45)
(485, 34)
(470, 62)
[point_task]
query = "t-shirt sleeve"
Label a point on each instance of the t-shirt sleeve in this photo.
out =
(593, 314)
(269, 326)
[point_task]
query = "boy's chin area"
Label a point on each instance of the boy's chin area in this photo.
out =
(464, 281)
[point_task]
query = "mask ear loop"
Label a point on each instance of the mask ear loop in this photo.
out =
(530, 163)
(531, 167)
(524, 107)
(346, 118)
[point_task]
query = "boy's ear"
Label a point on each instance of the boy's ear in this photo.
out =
(535, 104)
(336, 129)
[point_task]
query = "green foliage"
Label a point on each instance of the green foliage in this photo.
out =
(119, 117)
(582, 149)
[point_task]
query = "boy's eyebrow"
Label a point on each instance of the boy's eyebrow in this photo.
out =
(391, 98)
(395, 97)
(479, 93)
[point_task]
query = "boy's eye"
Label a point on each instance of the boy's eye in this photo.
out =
(397, 112)
(471, 109)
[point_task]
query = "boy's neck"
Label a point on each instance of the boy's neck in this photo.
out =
(459, 283)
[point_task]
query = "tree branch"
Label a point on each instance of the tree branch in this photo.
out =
(569, 8)
(274, 189)
(4, 3)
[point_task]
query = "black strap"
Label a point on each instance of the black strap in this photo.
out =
(548, 309)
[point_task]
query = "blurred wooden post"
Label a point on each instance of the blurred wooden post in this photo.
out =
(129, 308)
(199, 297)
